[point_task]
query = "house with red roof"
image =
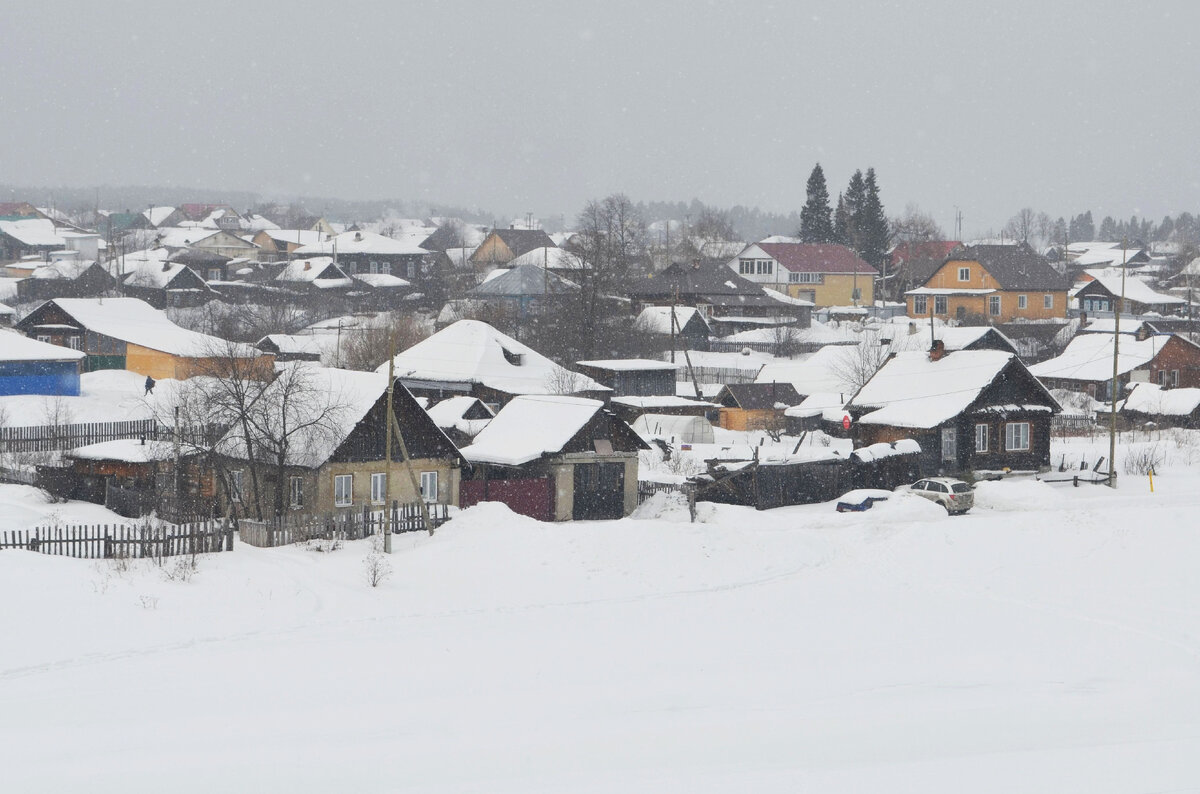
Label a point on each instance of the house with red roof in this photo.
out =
(824, 273)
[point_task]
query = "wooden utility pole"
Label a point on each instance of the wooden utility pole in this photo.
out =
(387, 453)
(393, 427)
(1112, 422)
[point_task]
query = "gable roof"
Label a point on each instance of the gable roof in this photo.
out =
(363, 243)
(549, 256)
(470, 352)
(135, 321)
(524, 280)
(760, 396)
(922, 250)
(38, 232)
(16, 346)
(816, 258)
(1013, 266)
(1135, 289)
(657, 319)
(829, 370)
(320, 271)
(706, 278)
(521, 241)
(1089, 357)
(911, 390)
(529, 427)
(1150, 398)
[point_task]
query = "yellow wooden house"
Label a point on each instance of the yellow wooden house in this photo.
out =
(991, 284)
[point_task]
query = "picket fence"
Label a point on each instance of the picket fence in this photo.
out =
(350, 525)
(55, 438)
(647, 488)
(109, 541)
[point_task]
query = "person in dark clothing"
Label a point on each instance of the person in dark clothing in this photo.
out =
(149, 384)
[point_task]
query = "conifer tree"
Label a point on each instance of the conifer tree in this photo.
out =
(874, 233)
(841, 222)
(816, 225)
(856, 195)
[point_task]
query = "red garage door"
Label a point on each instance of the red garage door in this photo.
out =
(533, 498)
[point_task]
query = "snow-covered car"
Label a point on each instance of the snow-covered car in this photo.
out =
(954, 495)
(860, 500)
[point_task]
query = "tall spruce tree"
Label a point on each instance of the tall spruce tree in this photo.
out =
(816, 225)
(874, 233)
(841, 222)
(856, 195)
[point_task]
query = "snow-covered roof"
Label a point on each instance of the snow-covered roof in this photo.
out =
(39, 232)
(1136, 290)
(298, 236)
(136, 321)
(873, 452)
(363, 243)
(948, 291)
(1113, 255)
(310, 271)
(911, 390)
(529, 427)
(62, 269)
(299, 344)
(157, 215)
(451, 412)
(183, 236)
(1089, 357)
(155, 274)
(552, 258)
(661, 401)
(695, 429)
(15, 346)
(381, 280)
(470, 351)
(128, 450)
(1150, 398)
(6, 310)
(951, 337)
(832, 369)
(817, 403)
(326, 404)
(628, 364)
(657, 319)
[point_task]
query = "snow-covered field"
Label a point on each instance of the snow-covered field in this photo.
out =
(1047, 642)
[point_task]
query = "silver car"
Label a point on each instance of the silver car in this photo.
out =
(954, 495)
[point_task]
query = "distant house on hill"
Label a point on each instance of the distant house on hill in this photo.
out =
(688, 323)
(635, 377)
(1101, 291)
(992, 283)
(824, 274)
(501, 246)
(127, 333)
(276, 244)
(65, 278)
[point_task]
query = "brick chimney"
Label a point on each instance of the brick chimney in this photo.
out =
(937, 351)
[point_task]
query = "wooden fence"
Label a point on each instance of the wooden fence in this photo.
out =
(646, 488)
(721, 375)
(55, 438)
(108, 541)
(350, 525)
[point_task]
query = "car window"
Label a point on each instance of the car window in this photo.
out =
(919, 485)
(961, 487)
(937, 486)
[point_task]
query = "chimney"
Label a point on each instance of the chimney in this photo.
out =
(166, 266)
(912, 328)
(358, 236)
(937, 351)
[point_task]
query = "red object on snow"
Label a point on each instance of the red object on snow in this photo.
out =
(846, 422)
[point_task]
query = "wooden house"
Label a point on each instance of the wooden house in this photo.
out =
(165, 283)
(910, 264)
(632, 377)
(688, 328)
(460, 418)
(208, 265)
(524, 291)
(1101, 290)
(501, 246)
(34, 236)
(365, 252)
(277, 244)
(970, 410)
(756, 406)
(991, 284)
(555, 459)
(1151, 403)
(135, 477)
(1086, 364)
(337, 459)
(31, 366)
(127, 333)
(65, 278)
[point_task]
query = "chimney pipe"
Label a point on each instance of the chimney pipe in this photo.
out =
(937, 351)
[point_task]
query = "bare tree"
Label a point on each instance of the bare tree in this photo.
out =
(561, 380)
(611, 245)
(916, 226)
(367, 348)
(1022, 226)
(860, 362)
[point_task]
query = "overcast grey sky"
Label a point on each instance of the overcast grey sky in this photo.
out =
(526, 106)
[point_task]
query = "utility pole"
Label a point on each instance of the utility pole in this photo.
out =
(1112, 423)
(387, 454)
(393, 427)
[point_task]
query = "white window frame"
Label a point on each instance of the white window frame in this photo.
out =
(1022, 301)
(746, 267)
(214, 274)
(1047, 301)
(43, 338)
(994, 305)
(949, 443)
(941, 304)
(235, 485)
(295, 492)
(920, 305)
(379, 488)
(964, 274)
(429, 486)
(765, 267)
(981, 438)
(75, 342)
(1016, 434)
(343, 490)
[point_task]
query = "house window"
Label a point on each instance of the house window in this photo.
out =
(964, 274)
(1022, 301)
(43, 338)
(235, 485)
(949, 443)
(429, 486)
(805, 278)
(940, 304)
(1167, 379)
(765, 267)
(1048, 301)
(745, 266)
(1016, 436)
(296, 492)
(73, 343)
(920, 304)
(214, 274)
(374, 267)
(856, 294)
(994, 305)
(379, 487)
(343, 490)
(981, 438)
